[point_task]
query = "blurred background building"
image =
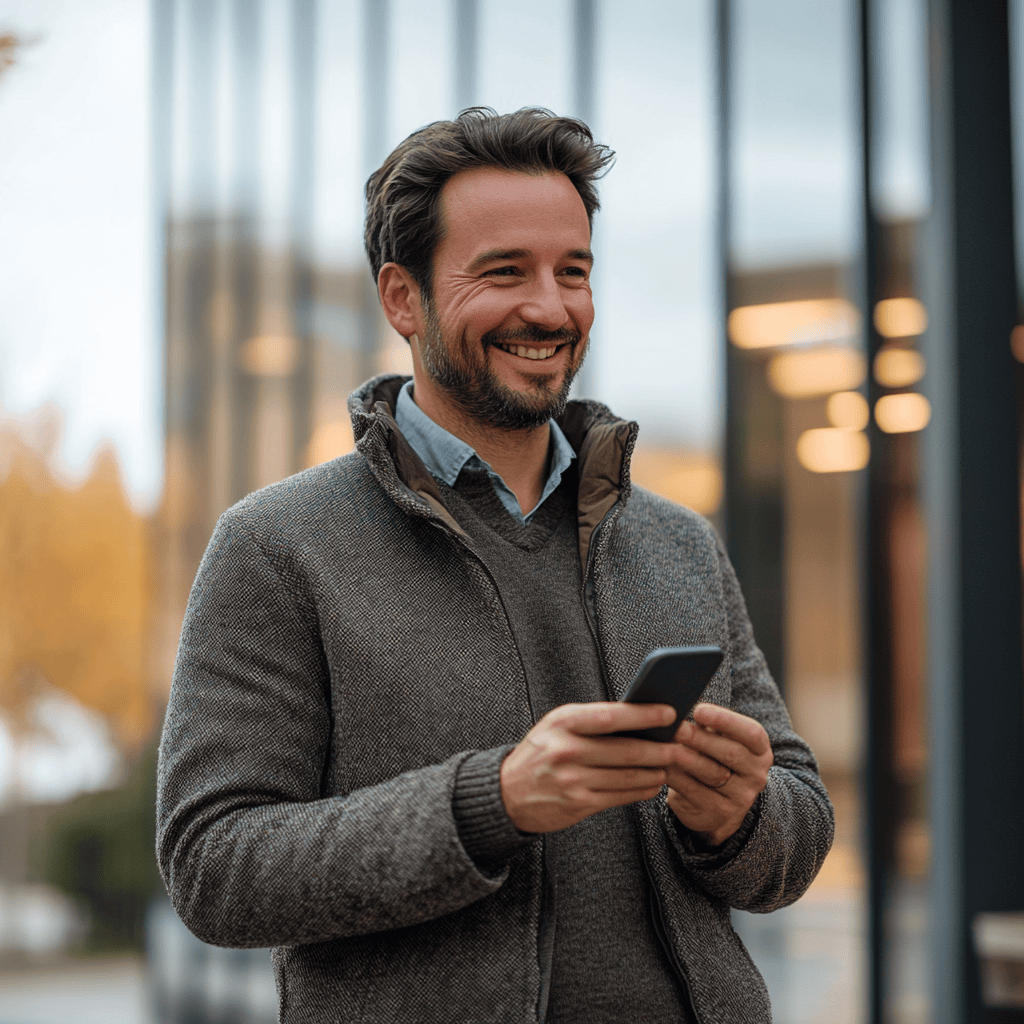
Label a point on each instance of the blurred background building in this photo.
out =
(805, 294)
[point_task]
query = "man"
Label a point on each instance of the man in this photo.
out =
(388, 750)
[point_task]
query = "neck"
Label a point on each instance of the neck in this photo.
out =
(519, 457)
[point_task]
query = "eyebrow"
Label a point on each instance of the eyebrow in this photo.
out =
(496, 255)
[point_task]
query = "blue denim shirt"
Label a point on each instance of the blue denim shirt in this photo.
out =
(445, 455)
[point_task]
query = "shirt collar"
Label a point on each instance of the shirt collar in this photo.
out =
(445, 455)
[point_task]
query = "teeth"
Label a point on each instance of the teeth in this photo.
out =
(529, 353)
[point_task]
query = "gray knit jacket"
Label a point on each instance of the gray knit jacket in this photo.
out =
(345, 650)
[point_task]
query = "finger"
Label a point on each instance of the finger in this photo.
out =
(610, 780)
(719, 748)
(696, 797)
(628, 796)
(623, 752)
(603, 717)
(698, 817)
(746, 731)
(705, 770)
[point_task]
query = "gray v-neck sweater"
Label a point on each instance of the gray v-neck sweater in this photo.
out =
(607, 962)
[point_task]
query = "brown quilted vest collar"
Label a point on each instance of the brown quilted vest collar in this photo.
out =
(602, 442)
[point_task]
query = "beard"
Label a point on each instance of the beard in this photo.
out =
(476, 389)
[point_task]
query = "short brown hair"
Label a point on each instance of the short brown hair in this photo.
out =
(403, 197)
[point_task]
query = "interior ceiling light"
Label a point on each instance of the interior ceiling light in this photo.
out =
(848, 410)
(898, 367)
(901, 414)
(900, 318)
(816, 371)
(793, 323)
(832, 450)
(269, 355)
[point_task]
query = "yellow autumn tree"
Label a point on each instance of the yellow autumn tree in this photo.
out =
(74, 584)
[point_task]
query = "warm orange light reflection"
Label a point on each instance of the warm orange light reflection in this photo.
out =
(1017, 343)
(832, 450)
(790, 323)
(269, 355)
(898, 367)
(900, 318)
(694, 480)
(900, 414)
(329, 440)
(849, 410)
(816, 371)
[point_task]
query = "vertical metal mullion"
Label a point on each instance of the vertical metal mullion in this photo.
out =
(972, 501)
(584, 24)
(878, 781)
(722, 39)
(247, 32)
(584, 36)
(201, 245)
(940, 479)
(376, 95)
(304, 19)
(466, 52)
(161, 141)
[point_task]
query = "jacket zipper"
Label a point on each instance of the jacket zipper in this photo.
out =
(546, 924)
(660, 928)
(546, 938)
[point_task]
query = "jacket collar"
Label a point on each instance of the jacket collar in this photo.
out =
(603, 444)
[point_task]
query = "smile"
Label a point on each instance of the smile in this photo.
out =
(526, 352)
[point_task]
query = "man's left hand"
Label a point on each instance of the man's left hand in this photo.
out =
(721, 767)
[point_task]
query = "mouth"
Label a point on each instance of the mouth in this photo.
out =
(528, 351)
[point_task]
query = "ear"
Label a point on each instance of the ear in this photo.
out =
(400, 299)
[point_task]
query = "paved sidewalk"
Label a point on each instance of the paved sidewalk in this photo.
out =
(83, 992)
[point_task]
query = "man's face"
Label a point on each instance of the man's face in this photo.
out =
(508, 325)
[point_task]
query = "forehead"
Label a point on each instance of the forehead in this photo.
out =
(490, 207)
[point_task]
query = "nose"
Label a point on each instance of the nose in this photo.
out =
(543, 305)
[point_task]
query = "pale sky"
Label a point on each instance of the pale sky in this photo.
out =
(77, 268)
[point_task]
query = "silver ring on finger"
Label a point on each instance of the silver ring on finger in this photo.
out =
(725, 780)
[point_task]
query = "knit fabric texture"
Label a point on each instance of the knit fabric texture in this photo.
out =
(345, 651)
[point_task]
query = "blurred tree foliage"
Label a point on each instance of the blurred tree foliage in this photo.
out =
(99, 850)
(74, 615)
(10, 46)
(74, 589)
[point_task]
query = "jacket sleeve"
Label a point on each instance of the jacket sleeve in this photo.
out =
(250, 850)
(777, 851)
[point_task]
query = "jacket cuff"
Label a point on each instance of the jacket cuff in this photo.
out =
(484, 827)
(710, 857)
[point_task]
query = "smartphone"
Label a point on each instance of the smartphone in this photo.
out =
(672, 675)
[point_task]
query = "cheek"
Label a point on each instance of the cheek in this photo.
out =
(581, 309)
(467, 300)
(483, 311)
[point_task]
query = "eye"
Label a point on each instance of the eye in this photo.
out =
(509, 271)
(573, 271)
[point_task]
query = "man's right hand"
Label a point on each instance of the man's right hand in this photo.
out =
(567, 768)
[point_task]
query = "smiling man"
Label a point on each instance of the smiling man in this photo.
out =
(389, 749)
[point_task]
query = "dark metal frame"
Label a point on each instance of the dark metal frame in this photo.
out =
(972, 495)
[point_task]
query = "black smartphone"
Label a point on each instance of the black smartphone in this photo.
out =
(672, 675)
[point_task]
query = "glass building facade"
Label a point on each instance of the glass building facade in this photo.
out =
(773, 307)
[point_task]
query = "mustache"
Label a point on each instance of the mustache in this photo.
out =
(562, 336)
